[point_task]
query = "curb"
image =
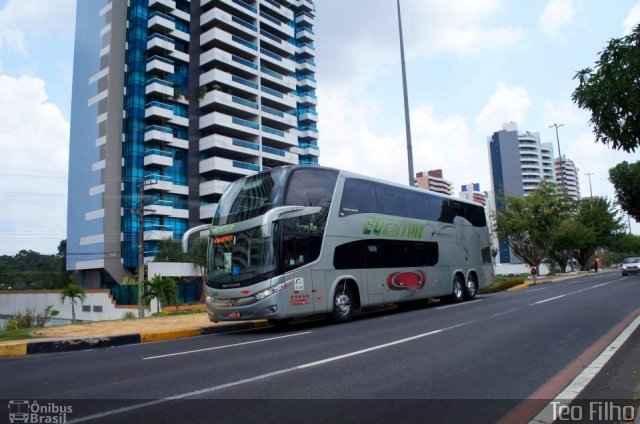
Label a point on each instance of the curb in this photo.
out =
(32, 347)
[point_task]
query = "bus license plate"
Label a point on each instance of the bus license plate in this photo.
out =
(233, 314)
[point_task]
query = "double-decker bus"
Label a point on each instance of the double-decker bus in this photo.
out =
(301, 240)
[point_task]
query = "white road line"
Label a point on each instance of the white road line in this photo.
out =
(576, 292)
(459, 304)
(535, 290)
(262, 376)
(574, 282)
(226, 346)
(573, 390)
(550, 299)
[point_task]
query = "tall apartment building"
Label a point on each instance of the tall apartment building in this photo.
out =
(172, 100)
(567, 177)
(472, 192)
(433, 180)
(519, 163)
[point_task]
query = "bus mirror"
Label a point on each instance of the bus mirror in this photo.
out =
(283, 212)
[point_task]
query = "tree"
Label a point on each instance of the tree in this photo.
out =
(570, 236)
(610, 92)
(530, 223)
(625, 178)
(198, 255)
(170, 251)
(163, 289)
(601, 216)
(73, 292)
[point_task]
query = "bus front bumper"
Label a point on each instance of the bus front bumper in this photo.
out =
(271, 307)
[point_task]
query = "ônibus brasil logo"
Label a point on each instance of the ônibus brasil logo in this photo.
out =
(25, 411)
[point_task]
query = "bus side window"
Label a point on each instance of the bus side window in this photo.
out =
(358, 196)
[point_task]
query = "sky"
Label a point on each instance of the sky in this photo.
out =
(471, 66)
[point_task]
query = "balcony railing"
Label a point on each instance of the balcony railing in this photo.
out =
(244, 23)
(271, 54)
(273, 151)
(273, 111)
(244, 81)
(244, 61)
(244, 102)
(246, 165)
(159, 152)
(245, 122)
(272, 73)
(246, 144)
(244, 42)
(272, 131)
(272, 92)
(245, 5)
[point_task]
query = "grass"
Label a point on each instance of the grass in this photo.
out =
(503, 284)
(18, 334)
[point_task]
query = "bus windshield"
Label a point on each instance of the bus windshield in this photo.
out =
(240, 259)
(250, 197)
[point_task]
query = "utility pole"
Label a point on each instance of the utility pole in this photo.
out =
(407, 120)
(564, 191)
(140, 210)
(589, 174)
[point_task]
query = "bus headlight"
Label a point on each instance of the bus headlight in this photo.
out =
(273, 290)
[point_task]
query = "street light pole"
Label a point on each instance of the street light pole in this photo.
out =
(589, 174)
(406, 101)
(560, 157)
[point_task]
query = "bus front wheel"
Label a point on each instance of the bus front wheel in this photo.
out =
(343, 304)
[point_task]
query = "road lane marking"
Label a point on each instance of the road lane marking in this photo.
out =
(576, 292)
(226, 346)
(262, 376)
(573, 390)
(535, 290)
(458, 304)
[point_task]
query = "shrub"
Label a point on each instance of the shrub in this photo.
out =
(129, 315)
(30, 318)
(503, 285)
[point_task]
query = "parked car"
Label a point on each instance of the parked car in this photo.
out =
(631, 266)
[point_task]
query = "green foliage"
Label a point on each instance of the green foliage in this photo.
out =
(610, 92)
(530, 223)
(29, 270)
(30, 318)
(503, 285)
(15, 334)
(129, 315)
(170, 251)
(163, 289)
(73, 292)
(198, 256)
(625, 178)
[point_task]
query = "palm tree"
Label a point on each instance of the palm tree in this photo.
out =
(164, 290)
(73, 292)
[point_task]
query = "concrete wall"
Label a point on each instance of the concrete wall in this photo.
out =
(172, 269)
(12, 302)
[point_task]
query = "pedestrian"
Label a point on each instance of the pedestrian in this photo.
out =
(534, 274)
(595, 264)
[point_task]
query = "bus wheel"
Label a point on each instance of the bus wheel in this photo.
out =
(280, 322)
(343, 303)
(458, 290)
(471, 289)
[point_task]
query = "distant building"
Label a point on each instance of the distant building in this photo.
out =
(434, 181)
(567, 177)
(519, 163)
(472, 192)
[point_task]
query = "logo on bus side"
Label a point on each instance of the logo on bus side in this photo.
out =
(412, 281)
(393, 228)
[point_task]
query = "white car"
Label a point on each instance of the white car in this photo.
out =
(631, 266)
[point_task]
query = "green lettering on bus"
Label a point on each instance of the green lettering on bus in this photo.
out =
(222, 229)
(392, 228)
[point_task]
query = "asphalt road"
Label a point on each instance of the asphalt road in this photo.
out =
(436, 363)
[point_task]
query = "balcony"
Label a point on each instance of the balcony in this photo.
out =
(237, 167)
(306, 82)
(305, 35)
(160, 87)
(158, 21)
(277, 10)
(158, 157)
(162, 5)
(160, 44)
(207, 211)
(159, 63)
(216, 16)
(222, 77)
(233, 60)
(287, 99)
(304, 19)
(159, 110)
(231, 122)
(158, 233)
(232, 43)
(213, 187)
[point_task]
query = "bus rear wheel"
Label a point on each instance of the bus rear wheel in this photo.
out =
(343, 304)
(471, 289)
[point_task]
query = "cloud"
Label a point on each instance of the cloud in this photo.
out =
(349, 50)
(632, 19)
(21, 21)
(565, 113)
(557, 15)
(505, 105)
(34, 142)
